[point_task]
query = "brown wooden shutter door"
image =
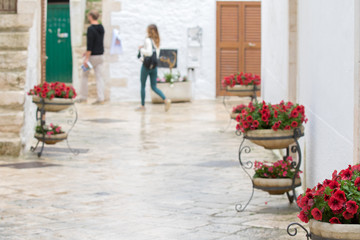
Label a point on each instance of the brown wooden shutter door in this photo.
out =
(238, 40)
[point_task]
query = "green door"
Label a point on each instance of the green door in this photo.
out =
(58, 44)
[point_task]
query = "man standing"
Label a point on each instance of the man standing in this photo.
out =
(94, 56)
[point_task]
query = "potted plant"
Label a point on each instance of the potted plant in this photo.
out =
(242, 84)
(276, 178)
(53, 97)
(50, 134)
(175, 87)
(332, 207)
(272, 126)
(236, 111)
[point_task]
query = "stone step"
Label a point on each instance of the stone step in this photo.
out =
(13, 61)
(14, 40)
(15, 22)
(13, 100)
(11, 121)
(10, 144)
(14, 80)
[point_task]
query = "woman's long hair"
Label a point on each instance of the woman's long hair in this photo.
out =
(154, 34)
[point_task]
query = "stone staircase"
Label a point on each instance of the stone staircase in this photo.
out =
(14, 41)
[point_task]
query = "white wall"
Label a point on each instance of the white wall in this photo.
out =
(275, 50)
(173, 18)
(326, 83)
(32, 78)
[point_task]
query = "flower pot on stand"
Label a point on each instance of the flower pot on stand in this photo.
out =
(275, 186)
(271, 139)
(327, 231)
(51, 139)
(52, 105)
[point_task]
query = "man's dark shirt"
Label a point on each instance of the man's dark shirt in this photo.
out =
(95, 39)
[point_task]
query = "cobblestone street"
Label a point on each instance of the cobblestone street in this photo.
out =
(151, 175)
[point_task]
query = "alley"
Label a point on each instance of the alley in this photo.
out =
(151, 175)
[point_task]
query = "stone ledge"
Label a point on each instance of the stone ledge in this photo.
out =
(11, 121)
(10, 145)
(16, 22)
(12, 80)
(12, 99)
(13, 60)
(14, 40)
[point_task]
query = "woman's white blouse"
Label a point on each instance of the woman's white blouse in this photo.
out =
(147, 49)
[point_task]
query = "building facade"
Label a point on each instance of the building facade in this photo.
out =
(310, 54)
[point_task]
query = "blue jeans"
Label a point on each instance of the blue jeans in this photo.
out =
(153, 75)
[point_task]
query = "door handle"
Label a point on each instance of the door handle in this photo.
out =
(252, 44)
(62, 35)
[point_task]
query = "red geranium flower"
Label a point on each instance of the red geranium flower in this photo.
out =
(347, 215)
(303, 217)
(346, 174)
(335, 203)
(294, 124)
(255, 123)
(352, 207)
(249, 118)
(294, 113)
(316, 213)
(334, 220)
(357, 183)
(340, 195)
(334, 184)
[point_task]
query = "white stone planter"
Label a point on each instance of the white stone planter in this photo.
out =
(177, 92)
(275, 186)
(322, 230)
(267, 136)
(53, 105)
(52, 139)
(242, 90)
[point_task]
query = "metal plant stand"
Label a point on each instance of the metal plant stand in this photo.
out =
(246, 165)
(40, 118)
(252, 94)
(293, 225)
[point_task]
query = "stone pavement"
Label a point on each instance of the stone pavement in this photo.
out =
(151, 175)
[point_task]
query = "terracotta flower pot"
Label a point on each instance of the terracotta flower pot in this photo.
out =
(51, 139)
(327, 231)
(275, 186)
(234, 115)
(53, 105)
(242, 90)
(265, 137)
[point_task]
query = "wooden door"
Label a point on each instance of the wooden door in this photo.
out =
(238, 40)
(58, 43)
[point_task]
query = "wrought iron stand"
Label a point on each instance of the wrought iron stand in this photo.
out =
(40, 118)
(252, 94)
(308, 235)
(246, 165)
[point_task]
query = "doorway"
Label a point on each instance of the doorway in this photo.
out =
(238, 40)
(58, 42)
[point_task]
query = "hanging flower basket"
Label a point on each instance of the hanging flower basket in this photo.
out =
(243, 90)
(51, 139)
(327, 231)
(53, 105)
(275, 186)
(271, 139)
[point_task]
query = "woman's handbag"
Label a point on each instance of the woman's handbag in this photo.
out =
(151, 62)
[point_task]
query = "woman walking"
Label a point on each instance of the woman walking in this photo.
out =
(152, 42)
